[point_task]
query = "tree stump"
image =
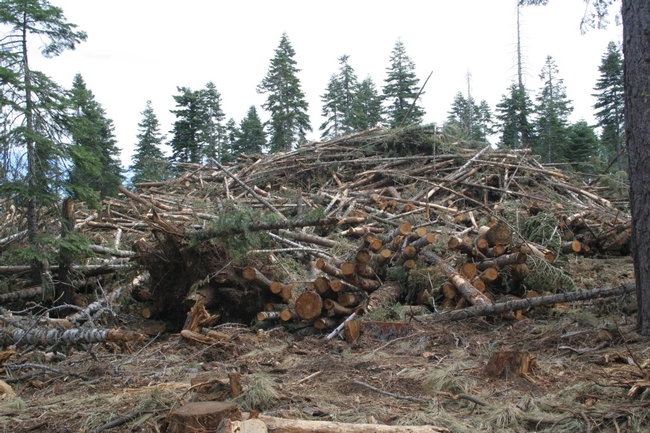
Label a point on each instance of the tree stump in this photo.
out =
(199, 416)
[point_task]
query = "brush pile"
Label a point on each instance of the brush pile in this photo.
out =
(370, 221)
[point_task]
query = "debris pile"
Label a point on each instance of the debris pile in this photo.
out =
(359, 223)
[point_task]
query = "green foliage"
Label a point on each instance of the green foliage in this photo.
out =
(213, 130)
(611, 103)
(513, 116)
(148, 160)
(552, 112)
(251, 138)
(401, 89)
(544, 277)
(414, 140)
(474, 120)
(583, 146)
(339, 101)
(186, 142)
(286, 102)
(94, 153)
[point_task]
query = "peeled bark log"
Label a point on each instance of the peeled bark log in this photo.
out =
(268, 316)
(283, 425)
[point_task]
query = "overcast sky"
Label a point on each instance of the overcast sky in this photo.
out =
(139, 50)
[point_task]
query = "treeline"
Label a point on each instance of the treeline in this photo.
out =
(56, 140)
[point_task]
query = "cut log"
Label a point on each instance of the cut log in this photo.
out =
(309, 305)
(199, 416)
(349, 299)
(465, 288)
(502, 261)
(423, 241)
(386, 295)
(268, 316)
(327, 322)
(328, 269)
(334, 307)
(468, 270)
(488, 275)
(449, 291)
(255, 276)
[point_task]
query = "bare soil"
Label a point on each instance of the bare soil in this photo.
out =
(588, 360)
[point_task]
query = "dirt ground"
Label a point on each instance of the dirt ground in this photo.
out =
(588, 360)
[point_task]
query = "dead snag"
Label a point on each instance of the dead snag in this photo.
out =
(386, 295)
(502, 261)
(464, 287)
(64, 288)
(309, 305)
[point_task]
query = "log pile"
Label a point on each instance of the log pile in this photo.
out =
(358, 223)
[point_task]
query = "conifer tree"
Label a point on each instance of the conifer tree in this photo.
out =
(366, 107)
(289, 122)
(339, 101)
(610, 103)
(251, 138)
(186, 143)
(213, 131)
(97, 170)
(401, 89)
(582, 147)
(552, 112)
(331, 99)
(514, 118)
(148, 161)
(475, 121)
(33, 123)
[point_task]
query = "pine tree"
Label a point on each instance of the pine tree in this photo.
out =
(97, 170)
(37, 104)
(186, 142)
(611, 104)
(401, 89)
(513, 116)
(230, 139)
(148, 161)
(552, 111)
(251, 138)
(286, 102)
(213, 131)
(366, 107)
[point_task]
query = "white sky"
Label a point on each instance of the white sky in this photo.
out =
(143, 49)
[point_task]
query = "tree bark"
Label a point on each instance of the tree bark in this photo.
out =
(636, 67)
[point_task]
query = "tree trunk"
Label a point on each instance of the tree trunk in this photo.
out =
(636, 49)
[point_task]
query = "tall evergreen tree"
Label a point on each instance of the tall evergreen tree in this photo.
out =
(513, 118)
(582, 147)
(366, 107)
(474, 121)
(37, 103)
(213, 132)
(401, 89)
(286, 102)
(186, 143)
(552, 112)
(97, 170)
(331, 99)
(610, 103)
(148, 161)
(251, 138)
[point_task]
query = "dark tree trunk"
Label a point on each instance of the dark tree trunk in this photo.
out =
(636, 65)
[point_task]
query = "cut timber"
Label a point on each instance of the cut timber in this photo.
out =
(489, 275)
(248, 426)
(253, 275)
(268, 316)
(423, 241)
(502, 261)
(283, 425)
(349, 299)
(572, 247)
(328, 269)
(351, 330)
(322, 323)
(499, 234)
(199, 416)
(504, 364)
(309, 305)
(385, 330)
(464, 287)
(468, 270)
(336, 308)
(386, 295)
